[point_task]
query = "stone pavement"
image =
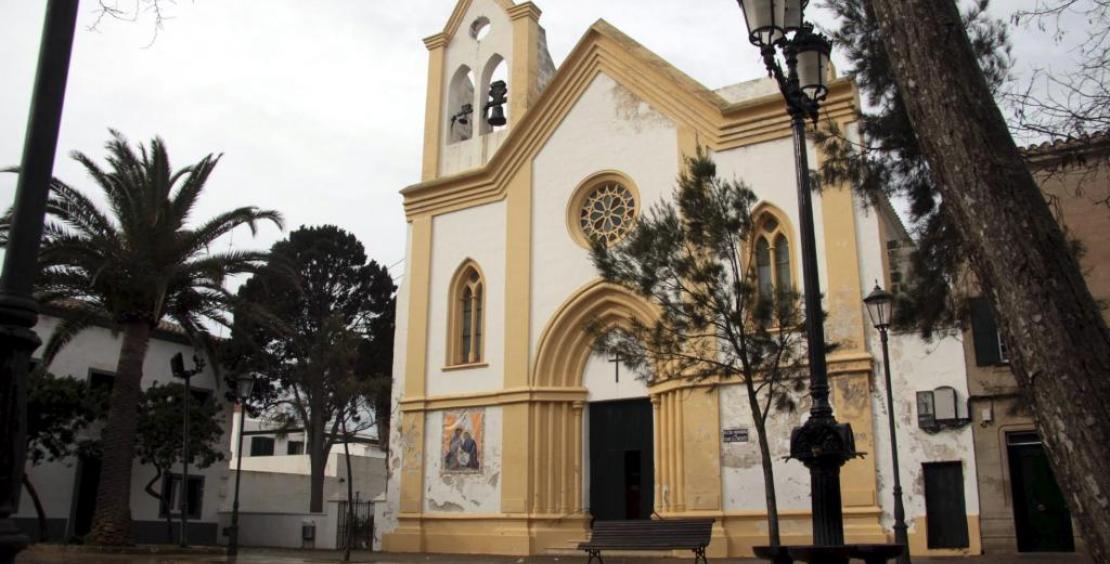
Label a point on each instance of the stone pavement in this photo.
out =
(48, 554)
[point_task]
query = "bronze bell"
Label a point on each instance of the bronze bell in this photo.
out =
(497, 116)
(462, 116)
(497, 92)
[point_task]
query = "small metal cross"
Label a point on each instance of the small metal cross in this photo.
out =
(616, 359)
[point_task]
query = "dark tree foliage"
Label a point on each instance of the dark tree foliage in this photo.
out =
(58, 409)
(885, 160)
(160, 437)
(694, 261)
(317, 324)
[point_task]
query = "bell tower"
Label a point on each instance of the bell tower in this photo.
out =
(485, 70)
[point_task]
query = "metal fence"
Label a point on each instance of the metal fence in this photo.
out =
(359, 531)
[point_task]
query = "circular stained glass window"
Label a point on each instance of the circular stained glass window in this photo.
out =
(607, 212)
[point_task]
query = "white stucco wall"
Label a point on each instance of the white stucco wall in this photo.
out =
(98, 348)
(918, 366)
(599, 377)
(741, 469)
(608, 128)
(478, 492)
(479, 234)
(388, 521)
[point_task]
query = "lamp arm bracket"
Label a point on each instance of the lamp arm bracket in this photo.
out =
(796, 101)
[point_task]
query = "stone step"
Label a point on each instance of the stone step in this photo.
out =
(572, 550)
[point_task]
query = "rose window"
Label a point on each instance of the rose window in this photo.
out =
(607, 213)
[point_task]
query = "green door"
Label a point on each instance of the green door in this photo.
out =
(1041, 518)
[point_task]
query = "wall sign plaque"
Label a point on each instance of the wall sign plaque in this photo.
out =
(737, 435)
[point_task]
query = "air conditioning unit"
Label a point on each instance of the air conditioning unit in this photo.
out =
(939, 409)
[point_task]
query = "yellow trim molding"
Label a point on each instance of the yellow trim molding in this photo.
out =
(564, 346)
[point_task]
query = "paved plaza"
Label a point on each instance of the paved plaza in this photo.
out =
(57, 555)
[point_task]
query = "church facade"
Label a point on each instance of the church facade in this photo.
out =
(509, 434)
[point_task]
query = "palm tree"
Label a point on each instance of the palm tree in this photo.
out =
(136, 265)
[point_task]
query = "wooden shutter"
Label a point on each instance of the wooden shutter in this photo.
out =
(984, 333)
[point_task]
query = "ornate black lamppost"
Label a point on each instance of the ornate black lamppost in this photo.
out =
(177, 366)
(18, 310)
(822, 444)
(879, 306)
(244, 387)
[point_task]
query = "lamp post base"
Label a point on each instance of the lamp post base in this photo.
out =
(824, 445)
(12, 540)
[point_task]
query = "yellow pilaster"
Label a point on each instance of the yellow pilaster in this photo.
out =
(687, 144)
(412, 425)
(518, 278)
(433, 107)
(524, 80)
(844, 324)
(703, 452)
(849, 375)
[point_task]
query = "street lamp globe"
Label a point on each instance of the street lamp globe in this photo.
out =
(765, 21)
(880, 305)
(244, 386)
(813, 52)
(794, 14)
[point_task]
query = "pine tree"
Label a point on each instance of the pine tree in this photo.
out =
(980, 208)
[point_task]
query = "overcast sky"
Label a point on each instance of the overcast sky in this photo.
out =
(318, 108)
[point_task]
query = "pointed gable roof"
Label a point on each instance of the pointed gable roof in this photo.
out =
(715, 122)
(455, 21)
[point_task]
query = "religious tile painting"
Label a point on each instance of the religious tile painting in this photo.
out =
(462, 440)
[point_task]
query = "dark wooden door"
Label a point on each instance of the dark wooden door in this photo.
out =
(621, 472)
(945, 510)
(88, 478)
(1042, 521)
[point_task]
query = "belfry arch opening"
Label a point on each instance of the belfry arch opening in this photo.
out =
(460, 105)
(494, 70)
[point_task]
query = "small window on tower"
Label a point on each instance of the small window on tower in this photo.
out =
(480, 28)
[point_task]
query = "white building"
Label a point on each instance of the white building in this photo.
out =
(275, 486)
(68, 488)
(498, 399)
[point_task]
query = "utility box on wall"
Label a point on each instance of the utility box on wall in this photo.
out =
(308, 534)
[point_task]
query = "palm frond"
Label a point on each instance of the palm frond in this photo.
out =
(183, 201)
(213, 229)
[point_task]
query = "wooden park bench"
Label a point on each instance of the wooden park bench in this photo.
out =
(670, 534)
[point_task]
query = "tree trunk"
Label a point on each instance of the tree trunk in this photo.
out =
(773, 537)
(162, 507)
(39, 511)
(318, 459)
(112, 519)
(381, 420)
(1058, 341)
(350, 493)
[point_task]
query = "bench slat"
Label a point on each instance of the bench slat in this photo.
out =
(675, 534)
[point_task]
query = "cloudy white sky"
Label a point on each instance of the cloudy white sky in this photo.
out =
(318, 108)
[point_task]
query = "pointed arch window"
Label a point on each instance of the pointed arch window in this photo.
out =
(466, 335)
(774, 263)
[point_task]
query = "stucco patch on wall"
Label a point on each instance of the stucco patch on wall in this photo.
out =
(470, 492)
(741, 469)
(917, 365)
(633, 112)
